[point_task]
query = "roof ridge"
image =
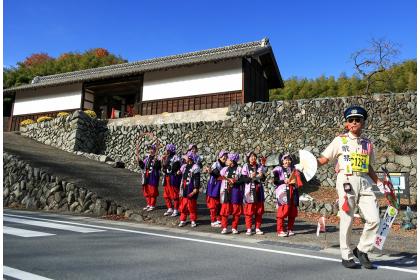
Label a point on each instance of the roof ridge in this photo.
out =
(261, 43)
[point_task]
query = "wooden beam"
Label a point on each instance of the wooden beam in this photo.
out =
(89, 91)
(113, 81)
(11, 116)
(244, 77)
(83, 97)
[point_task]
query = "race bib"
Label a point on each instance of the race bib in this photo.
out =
(359, 162)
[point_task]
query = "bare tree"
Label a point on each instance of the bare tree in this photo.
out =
(375, 59)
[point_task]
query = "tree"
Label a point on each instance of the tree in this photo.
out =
(41, 64)
(36, 59)
(375, 59)
(400, 77)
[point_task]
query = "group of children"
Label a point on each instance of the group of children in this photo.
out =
(232, 190)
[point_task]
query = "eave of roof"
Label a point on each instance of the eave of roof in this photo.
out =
(250, 49)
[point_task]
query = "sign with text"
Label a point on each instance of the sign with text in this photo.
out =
(386, 223)
(400, 182)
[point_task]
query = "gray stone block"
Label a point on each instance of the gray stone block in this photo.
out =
(104, 158)
(136, 217)
(404, 161)
(71, 197)
(128, 213)
(87, 205)
(328, 207)
(120, 210)
(73, 206)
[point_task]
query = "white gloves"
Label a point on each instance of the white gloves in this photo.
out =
(299, 167)
(382, 187)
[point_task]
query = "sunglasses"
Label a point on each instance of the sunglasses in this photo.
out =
(350, 120)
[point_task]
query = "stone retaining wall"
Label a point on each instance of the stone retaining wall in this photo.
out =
(269, 129)
(33, 188)
(76, 132)
(273, 128)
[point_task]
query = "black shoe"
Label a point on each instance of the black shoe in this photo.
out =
(349, 263)
(363, 258)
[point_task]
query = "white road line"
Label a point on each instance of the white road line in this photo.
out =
(217, 243)
(19, 274)
(51, 225)
(24, 232)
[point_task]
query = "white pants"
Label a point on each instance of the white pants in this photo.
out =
(360, 195)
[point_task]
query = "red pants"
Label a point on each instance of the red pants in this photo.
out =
(253, 209)
(188, 206)
(214, 206)
(150, 193)
(231, 209)
(286, 211)
(171, 195)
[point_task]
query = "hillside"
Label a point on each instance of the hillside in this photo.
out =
(400, 77)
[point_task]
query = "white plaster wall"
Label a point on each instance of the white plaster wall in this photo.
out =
(48, 99)
(200, 79)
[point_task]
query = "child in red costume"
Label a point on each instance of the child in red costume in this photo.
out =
(171, 180)
(213, 189)
(151, 166)
(253, 174)
(231, 193)
(189, 189)
(287, 181)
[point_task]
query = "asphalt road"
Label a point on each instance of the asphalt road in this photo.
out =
(68, 247)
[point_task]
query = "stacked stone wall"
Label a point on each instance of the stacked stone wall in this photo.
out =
(277, 127)
(269, 129)
(76, 132)
(34, 188)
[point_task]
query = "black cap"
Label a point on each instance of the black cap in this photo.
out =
(355, 111)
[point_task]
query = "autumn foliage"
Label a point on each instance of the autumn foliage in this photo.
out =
(99, 52)
(37, 59)
(41, 64)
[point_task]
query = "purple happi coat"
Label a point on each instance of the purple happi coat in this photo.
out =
(170, 169)
(213, 185)
(190, 180)
(282, 192)
(151, 170)
(236, 192)
(253, 192)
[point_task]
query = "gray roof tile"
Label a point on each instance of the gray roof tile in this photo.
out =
(125, 69)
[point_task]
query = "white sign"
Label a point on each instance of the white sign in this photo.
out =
(386, 223)
(397, 181)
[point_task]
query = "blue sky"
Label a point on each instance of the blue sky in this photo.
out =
(309, 38)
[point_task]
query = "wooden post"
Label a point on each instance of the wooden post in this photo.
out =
(82, 102)
(11, 116)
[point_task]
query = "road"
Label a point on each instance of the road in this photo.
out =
(51, 246)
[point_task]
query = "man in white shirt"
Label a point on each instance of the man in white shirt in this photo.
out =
(355, 156)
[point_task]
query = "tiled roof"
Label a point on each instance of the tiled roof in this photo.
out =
(126, 69)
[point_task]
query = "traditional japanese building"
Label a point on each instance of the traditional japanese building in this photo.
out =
(205, 79)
